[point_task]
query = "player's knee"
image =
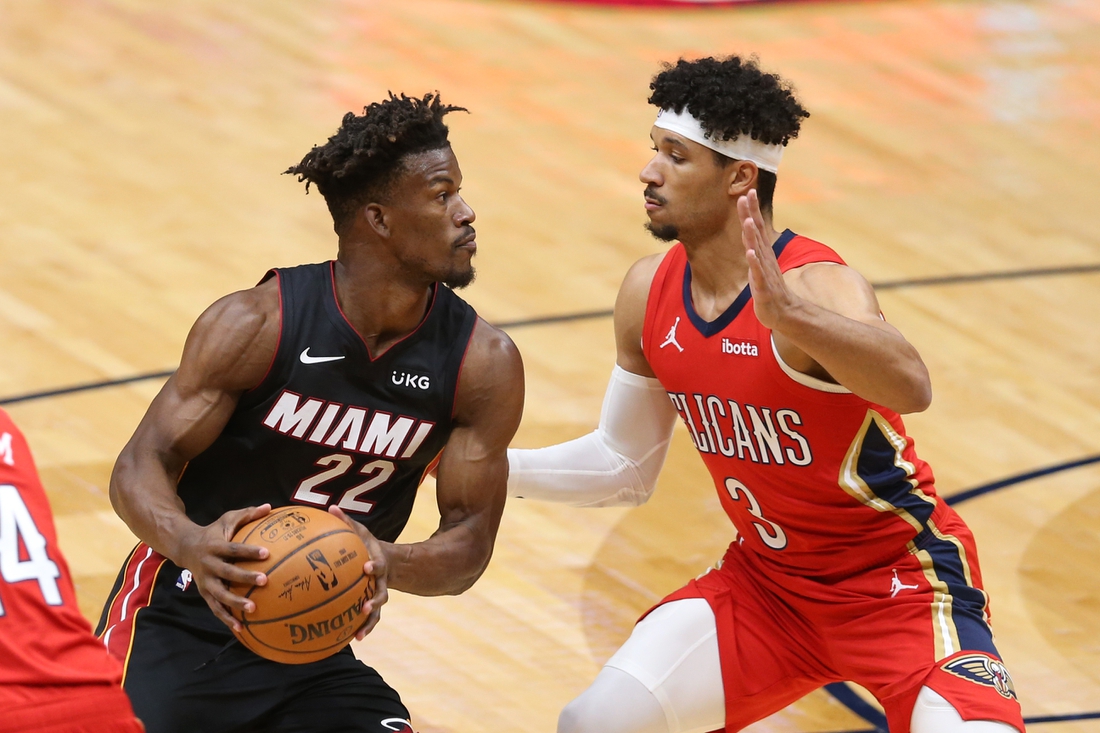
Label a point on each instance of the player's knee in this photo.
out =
(572, 718)
(615, 703)
(934, 714)
(585, 714)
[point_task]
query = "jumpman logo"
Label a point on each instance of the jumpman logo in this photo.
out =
(896, 586)
(671, 338)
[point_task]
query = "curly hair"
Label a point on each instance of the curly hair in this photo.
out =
(732, 97)
(365, 155)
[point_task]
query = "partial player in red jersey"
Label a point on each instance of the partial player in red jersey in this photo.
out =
(55, 676)
(774, 353)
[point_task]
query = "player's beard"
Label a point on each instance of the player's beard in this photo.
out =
(663, 232)
(458, 279)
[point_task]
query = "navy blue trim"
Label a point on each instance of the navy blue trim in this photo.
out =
(968, 603)
(709, 328)
(876, 466)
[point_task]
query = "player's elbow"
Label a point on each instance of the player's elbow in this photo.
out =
(644, 476)
(924, 400)
(116, 489)
(639, 495)
(463, 581)
(921, 390)
(916, 398)
(635, 492)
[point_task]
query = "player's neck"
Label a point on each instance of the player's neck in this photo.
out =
(381, 307)
(719, 268)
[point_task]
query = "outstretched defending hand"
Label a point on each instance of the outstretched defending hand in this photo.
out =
(376, 566)
(209, 554)
(770, 295)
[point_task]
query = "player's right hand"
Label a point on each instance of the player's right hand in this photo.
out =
(377, 566)
(210, 554)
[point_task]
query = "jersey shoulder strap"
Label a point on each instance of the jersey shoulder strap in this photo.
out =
(801, 251)
(301, 304)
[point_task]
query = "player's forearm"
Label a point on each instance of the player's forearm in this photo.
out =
(143, 494)
(878, 365)
(447, 563)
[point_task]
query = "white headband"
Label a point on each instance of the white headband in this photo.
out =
(740, 148)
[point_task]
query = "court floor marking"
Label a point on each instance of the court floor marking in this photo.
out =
(871, 714)
(590, 315)
(884, 285)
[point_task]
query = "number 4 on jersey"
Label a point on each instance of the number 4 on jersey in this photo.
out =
(17, 523)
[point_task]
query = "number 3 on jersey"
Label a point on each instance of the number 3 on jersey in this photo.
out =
(16, 522)
(772, 534)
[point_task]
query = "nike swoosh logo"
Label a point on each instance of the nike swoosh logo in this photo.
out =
(307, 359)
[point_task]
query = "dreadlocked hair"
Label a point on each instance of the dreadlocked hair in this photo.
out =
(364, 156)
(732, 97)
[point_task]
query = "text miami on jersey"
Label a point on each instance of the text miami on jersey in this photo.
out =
(332, 424)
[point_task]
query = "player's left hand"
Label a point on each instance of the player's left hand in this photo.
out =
(376, 566)
(770, 295)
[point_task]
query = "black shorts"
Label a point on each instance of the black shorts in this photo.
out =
(186, 672)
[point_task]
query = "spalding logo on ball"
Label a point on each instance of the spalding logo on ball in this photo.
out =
(312, 604)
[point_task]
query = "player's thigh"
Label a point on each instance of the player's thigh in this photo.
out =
(341, 695)
(180, 681)
(668, 677)
(673, 653)
(934, 714)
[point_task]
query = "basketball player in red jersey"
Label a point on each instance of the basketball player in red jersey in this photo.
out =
(847, 565)
(55, 677)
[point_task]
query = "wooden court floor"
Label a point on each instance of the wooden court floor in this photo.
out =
(953, 157)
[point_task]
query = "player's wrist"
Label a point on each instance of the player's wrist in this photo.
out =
(181, 540)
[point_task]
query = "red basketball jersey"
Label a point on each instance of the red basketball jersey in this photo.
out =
(818, 481)
(44, 640)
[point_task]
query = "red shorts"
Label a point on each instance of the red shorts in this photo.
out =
(68, 709)
(921, 620)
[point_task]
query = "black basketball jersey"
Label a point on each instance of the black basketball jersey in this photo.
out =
(329, 423)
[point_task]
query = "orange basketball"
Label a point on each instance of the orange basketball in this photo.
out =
(312, 604)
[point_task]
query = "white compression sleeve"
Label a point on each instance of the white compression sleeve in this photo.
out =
(617, 464)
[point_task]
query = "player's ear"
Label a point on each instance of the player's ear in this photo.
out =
(742, 176)
(375, 215)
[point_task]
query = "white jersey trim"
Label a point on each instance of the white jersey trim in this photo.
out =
(805, 379)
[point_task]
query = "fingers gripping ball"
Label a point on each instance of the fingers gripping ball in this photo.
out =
(312, 604)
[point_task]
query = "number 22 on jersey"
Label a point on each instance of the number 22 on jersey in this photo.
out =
(378, 473)
(16, 523)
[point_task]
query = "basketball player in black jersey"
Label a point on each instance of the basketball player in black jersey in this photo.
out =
(336, 385)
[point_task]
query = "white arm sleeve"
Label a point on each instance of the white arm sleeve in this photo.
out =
(617, 465)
